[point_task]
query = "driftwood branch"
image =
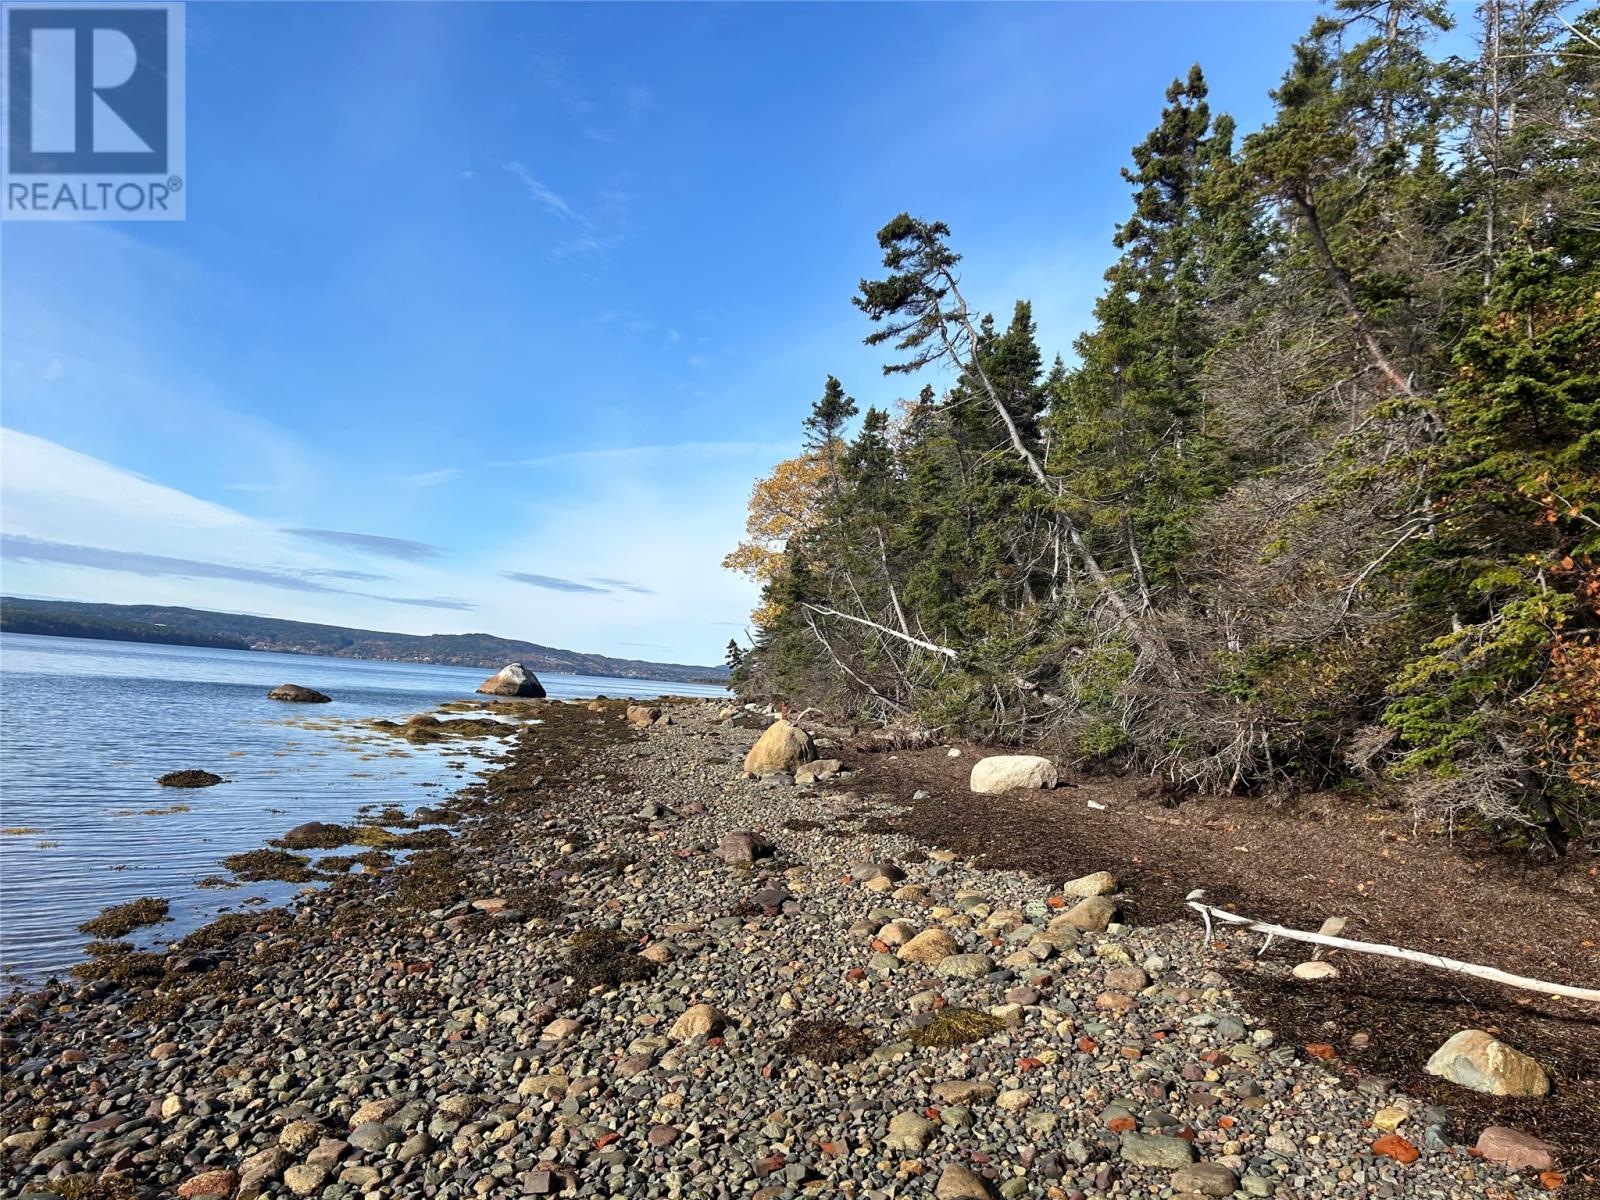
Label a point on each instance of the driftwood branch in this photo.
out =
(1437, 961)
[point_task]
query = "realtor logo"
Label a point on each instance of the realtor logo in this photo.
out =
(94, 110)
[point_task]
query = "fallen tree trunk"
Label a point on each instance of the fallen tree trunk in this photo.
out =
(1437, 961)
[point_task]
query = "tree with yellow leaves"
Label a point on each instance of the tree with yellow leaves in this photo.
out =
(784, 505)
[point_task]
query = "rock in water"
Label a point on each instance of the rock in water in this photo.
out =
(189, 779)
(780, 750)
(1476, 1060)
(513, 679)
(296, 694)
(1010, 772)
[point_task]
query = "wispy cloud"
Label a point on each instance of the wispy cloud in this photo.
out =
(433, 478)
(597, 229)
(22, 548)
(622, 585)
(371, 543)
(552, 203)
(552, 583)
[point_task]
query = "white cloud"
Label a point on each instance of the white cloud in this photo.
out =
(433, 478)
(552, 203)
(645, 536)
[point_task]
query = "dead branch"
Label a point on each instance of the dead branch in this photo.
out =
(894, 633)
(1437, 961)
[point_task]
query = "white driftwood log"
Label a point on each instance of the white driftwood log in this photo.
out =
(1209, 913)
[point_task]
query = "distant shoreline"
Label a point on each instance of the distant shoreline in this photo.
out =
(173, 626)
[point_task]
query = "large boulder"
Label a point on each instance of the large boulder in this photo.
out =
(296, 694)
(780, 750)
(1012, 772)
(1477, 1060)
(643, 714)
(513, 679)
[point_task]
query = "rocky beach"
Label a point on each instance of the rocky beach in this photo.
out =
(620, 967)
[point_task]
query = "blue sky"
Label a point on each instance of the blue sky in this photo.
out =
(486, 316)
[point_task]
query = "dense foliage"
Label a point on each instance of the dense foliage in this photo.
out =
(1318, 497)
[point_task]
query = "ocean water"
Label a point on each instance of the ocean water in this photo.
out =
(87, 726)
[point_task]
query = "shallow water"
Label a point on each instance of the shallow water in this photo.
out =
(87, 726)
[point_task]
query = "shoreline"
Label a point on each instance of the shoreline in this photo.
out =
(425, 1029)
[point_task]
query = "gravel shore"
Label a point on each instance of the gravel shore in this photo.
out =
(581, 996)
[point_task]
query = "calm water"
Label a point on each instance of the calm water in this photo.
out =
(87, 726)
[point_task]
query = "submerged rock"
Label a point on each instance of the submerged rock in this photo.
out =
(296, 694)
(189, 779)
(513, 679)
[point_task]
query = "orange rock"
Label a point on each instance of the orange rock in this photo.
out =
(1057, 901)
(1122, 1124)
(1087, 1045)
(1392, 1145)
(1321, 1050)
(1552, 1179)
(1024, 1065)
(209, 1183)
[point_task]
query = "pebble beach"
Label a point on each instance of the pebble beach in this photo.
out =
(633, 972)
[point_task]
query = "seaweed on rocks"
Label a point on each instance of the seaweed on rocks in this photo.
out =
(97, 949)
(122, 919)
(257, 866)
(603, 958)
(951, 1027)
(230, 927)
(191, 778)
(431, 880)
(823, 1040)
(314, 835)
(128, 968)
(539, 900)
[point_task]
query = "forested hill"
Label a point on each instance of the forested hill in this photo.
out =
(196, 627)
(1317, 499)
